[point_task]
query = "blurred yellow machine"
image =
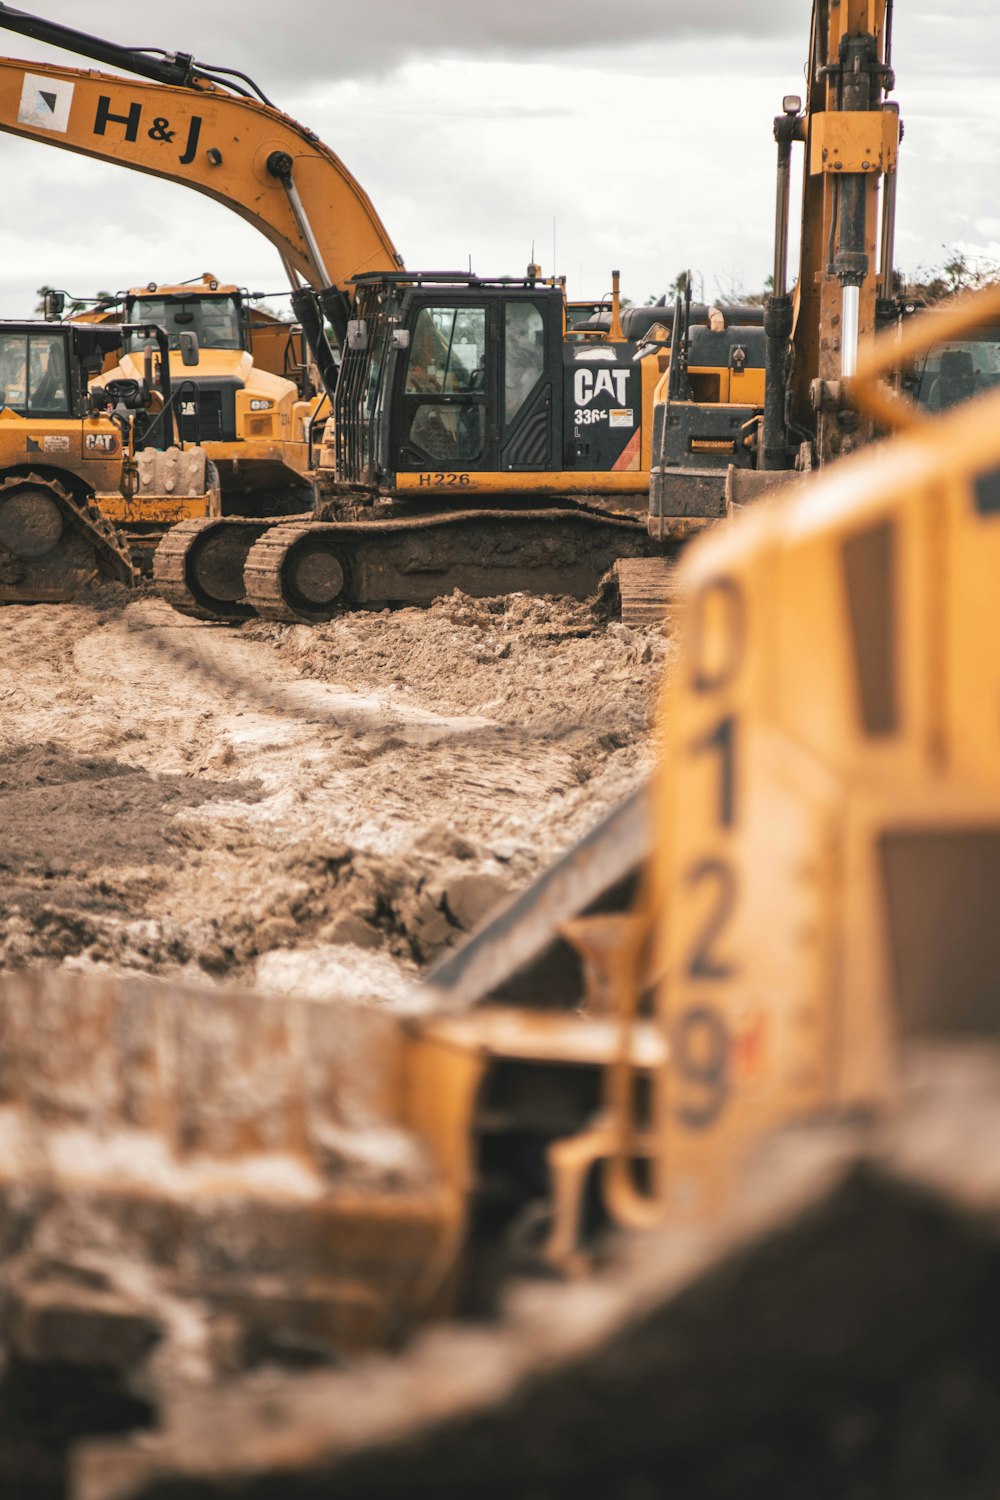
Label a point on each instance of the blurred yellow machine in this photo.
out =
(827, 815)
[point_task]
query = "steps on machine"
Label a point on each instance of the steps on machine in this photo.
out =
(646, 589)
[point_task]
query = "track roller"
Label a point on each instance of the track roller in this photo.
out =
(198, 567)
(298, 573)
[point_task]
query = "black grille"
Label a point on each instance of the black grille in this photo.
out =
(207, 425)
(359, 385)
(211, 417)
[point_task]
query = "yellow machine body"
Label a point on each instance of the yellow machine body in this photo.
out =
(267, 441)
(90, 447)
(827, 845)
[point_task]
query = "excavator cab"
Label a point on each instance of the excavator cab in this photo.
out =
(457, 383)
(445, 381)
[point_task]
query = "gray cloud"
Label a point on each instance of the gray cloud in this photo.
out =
(334, 41)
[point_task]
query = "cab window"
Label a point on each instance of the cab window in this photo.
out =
(216, 320)
(33, 373)
(14, 370)
(447, 368)
(48, 389)
(524, 355)
(447, 351)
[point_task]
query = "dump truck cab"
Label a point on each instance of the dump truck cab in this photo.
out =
(47, 416)
(251, 420)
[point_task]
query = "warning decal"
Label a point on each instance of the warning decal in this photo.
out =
(45, 103)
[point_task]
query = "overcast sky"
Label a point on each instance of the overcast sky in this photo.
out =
(636, 136)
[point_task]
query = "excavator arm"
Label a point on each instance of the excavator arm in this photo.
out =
(190, 125)
(851, 134)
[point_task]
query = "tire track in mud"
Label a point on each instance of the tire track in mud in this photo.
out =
(323, 802)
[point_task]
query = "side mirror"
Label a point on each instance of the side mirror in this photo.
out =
(401, 338)
(188, 345)
(357, 334)
(53, 305)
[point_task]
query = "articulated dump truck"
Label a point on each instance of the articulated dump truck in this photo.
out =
(680, 1178)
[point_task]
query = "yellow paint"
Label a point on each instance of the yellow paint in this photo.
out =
(864, 141)
(570, 482)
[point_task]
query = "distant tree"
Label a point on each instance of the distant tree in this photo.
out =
(960, 272)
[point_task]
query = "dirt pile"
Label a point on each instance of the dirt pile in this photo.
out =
(293, 807)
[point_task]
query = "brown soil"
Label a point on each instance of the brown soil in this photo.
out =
(300, 808)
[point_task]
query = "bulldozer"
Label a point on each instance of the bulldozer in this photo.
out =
(248, 400)
(91, 476)
(790, 931)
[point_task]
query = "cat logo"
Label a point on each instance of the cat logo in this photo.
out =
(100, 442)
(590, 383)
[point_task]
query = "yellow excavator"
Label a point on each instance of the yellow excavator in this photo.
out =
(240, 403)
(843, 292)
(482, 435)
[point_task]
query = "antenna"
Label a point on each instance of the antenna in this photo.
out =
(554, 261)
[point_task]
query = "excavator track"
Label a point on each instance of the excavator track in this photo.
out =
(310, 571)
(52, 542)
(198, 567)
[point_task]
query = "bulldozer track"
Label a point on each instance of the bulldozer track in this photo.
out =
(301, 569)
(30, 577)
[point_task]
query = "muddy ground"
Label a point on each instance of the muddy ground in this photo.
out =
(317, 809)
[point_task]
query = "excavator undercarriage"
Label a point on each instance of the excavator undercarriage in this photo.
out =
(308, 571)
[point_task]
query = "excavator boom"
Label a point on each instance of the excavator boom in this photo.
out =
(242, 152)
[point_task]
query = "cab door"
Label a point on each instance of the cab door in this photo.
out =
(531, 362)
(446, 398)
